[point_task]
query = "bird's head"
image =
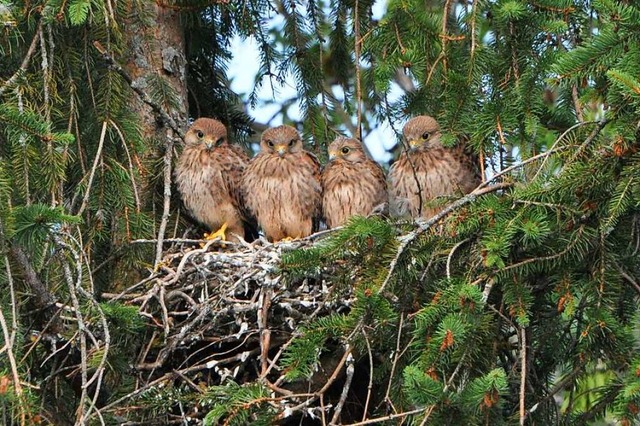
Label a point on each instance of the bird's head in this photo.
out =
(348, 149)
(207, 133)
(422, 132)
(281, 140)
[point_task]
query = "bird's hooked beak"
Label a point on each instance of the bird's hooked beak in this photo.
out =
(209, 144)
(281, 149)
(413, 144)
(332, 155)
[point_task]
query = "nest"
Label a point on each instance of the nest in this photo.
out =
(225, 311)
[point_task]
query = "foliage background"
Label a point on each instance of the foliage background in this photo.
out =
(520, 293)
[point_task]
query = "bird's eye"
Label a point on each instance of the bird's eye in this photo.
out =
(270, 143)
(426, 135)
(345, 150)
(292, 142)
(200, 134)
(219, 141)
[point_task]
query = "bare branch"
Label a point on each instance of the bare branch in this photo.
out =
(25, 62)
(345, 391)
(523, 373)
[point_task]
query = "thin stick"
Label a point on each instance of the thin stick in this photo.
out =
(358, 43)
(557, 141)
(370, 385)
(592, 136)
(523, 375)
(326, 386)
(166, 205)
(383, 419)
(523, 163)
(576, 103)
(424, 225)
(171, 241)
(628, 278)
(453, 250)
(474, 9)
(395, 358)
(134, 186)
(345, 389)
(96, 161)
(8, 344)
(265, 333)
(445, 17)
(25, 61)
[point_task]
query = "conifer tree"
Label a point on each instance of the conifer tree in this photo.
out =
(517, 304)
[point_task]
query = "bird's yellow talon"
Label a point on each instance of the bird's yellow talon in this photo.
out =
(220, 233)
(158, 266)
(289, 239)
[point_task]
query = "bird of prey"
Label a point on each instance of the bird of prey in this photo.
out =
(282, 186)
(352, 183)
(209, 176)
(429, 170)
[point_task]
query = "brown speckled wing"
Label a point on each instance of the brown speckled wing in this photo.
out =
(439, 172)
(202, 178)
(377, 173)
(284, 193)
(471, 174)
(351, 188)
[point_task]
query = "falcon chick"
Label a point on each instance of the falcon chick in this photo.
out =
(209, 175)
(352, 183)
(429, 170)
(282, 185)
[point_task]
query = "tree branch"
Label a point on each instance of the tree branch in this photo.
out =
(42, 299)
(25, 62)
(425, 225)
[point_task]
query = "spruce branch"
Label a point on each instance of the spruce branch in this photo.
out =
(425, 225)
(576, 103)
(25, 61)
(43, 299)
(589, 140)
(169, 142)
(553, 256)
(75, 288)
(134, 186)
(628, 278)
(96, 162)
(446, 387)
(557, 141)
